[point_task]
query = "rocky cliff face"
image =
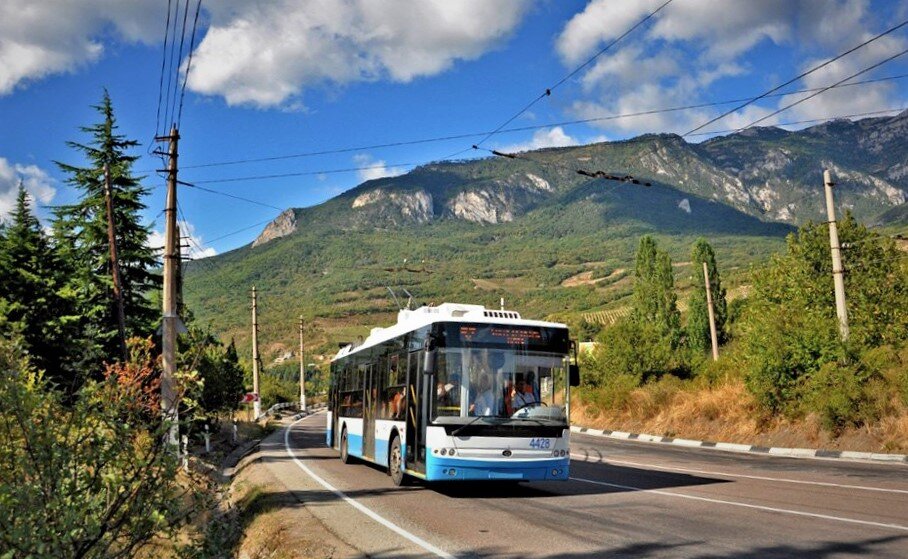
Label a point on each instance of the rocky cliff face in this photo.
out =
(768, 173)
(283, 225)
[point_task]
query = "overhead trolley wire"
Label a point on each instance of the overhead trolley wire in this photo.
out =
(410, 164)
(617, 116)
(798, 77)
(548, 91)
(827, 88)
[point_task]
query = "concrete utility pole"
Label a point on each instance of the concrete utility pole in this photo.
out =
(837, 272)
(712, 313)
(302, 370)
(169, 403)
(257, 404)
(115, 262)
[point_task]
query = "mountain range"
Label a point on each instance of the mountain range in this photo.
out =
(551, 230)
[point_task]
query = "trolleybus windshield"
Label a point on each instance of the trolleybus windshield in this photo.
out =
(491, 385)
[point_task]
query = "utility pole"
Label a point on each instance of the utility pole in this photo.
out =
(712, 313)
(837, 272)
(169, 401)
(115, 262)
(256, 404)
(302, 370)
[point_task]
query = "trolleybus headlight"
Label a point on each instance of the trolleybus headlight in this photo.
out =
(451, 452)
(443, 451)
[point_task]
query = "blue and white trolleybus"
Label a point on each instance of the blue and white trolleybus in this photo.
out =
(456, 392)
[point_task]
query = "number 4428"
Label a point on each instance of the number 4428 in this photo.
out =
(540, 443)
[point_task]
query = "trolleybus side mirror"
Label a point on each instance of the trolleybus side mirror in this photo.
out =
(574, 374)
(428, 366)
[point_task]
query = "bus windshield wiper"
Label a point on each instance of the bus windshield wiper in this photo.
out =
(467, 424)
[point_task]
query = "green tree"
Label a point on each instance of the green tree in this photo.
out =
(698, 336)
(222, 375)
(33, 307)
(81, 233)
(790, 325)
(654, 299)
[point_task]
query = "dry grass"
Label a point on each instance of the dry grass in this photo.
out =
(727, 412)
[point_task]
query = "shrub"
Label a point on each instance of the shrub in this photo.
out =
(633, 348)
(838, 394)
(90, 477)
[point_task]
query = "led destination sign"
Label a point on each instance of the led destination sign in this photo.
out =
(497, 335)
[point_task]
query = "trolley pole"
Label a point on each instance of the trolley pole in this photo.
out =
(115, 262)
(257, 404)
(169, 403)
(712, 314)
(302, 370)
(837, 272)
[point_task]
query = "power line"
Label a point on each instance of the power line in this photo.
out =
(548, 91)
(176, 69)
(303, 173)
(616, 116)
(157, 126)
(173, 44)
(228, 195)
(195, 25)
(798, 77)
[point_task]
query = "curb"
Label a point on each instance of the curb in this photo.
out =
(746, 448)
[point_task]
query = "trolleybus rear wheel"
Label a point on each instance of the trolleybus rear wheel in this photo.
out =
(345, 455)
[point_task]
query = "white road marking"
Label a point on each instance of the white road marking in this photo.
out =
(746, 476)
(746, 505)
(360, 507)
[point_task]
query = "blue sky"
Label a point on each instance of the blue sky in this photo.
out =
(279, 77)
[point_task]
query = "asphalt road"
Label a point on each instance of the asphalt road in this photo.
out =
(625, 499)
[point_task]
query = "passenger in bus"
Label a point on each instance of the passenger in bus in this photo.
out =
(487, 402)
(448, 393)
(396, 404)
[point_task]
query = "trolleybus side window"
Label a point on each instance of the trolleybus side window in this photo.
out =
(393, 389)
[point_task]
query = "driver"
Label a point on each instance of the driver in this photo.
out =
(522, 398)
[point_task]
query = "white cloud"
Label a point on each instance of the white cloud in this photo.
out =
(40, 38)
(266, 54)
(36, 181)
(372, 168)
(193, 244)
(545, 138)
(677, 56)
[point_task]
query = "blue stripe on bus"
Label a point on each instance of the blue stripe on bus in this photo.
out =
(354, 445)
(439, 469)
(381, 452)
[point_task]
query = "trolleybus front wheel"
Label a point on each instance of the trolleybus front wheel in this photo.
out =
(395, 463)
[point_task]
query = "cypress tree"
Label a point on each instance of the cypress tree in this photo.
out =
(654, 299)
(698, 335)
(81, 231)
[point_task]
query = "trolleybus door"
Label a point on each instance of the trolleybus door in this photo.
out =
(334, 405)
(416, 420)
(369, 401)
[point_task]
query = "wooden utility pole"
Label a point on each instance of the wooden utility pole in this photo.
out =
(712, 313)
(256, 404)
(169, 400)
(302, 370)
(115, 262)
(837, 272)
